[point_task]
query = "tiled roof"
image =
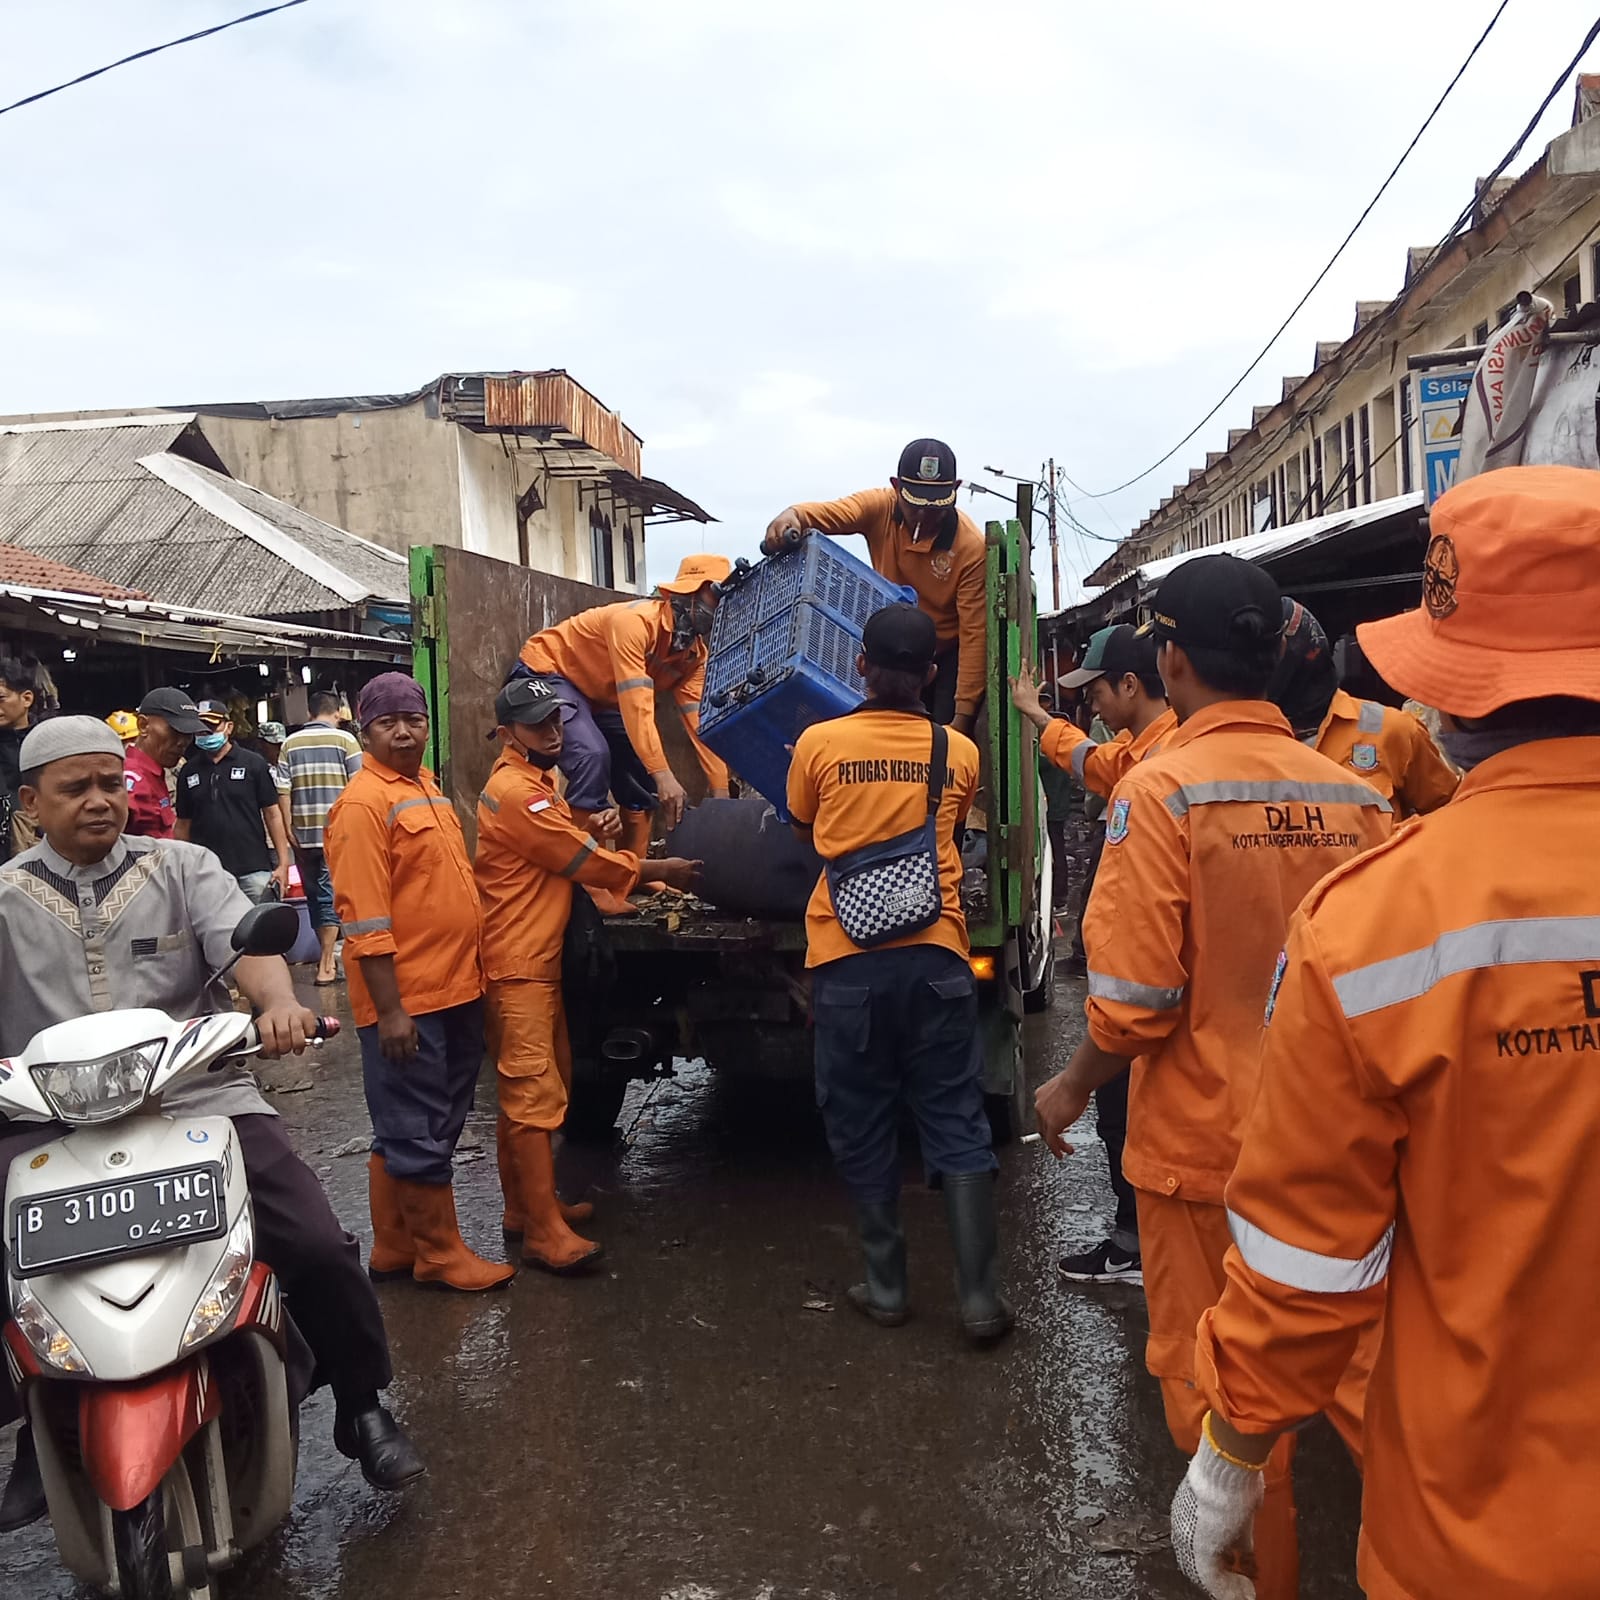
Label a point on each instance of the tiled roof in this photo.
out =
(40, 572)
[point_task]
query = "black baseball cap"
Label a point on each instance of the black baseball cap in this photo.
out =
(529, 701)
(1217, 602)
(901, 637)
(928, 473)
(174, 708)
(215, 708)
(1112, 653)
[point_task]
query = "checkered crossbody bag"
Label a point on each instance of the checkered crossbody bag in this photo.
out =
(887, 890)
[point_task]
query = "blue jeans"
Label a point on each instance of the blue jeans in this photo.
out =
(899, 1027)
(255, 885)
(597, 756)
(419, 1107)
(317, 882)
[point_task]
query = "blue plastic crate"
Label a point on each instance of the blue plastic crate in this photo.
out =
(739, 610)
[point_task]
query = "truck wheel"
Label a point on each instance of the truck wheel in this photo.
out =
(1043, 994)
(594, 1104)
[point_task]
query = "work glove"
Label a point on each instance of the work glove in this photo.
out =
(1213, 1515)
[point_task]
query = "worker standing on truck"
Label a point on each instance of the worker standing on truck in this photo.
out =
(916, 535)
(1390, 749)
(606, 664)
(1210, 846)
(1119, 679)
(1423, 1144)
(530, 853)
(881, 793)
(405, 894)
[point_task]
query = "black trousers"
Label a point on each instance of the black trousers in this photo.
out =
(297, 1235)
(1097, 845)
(940, 696)
(899, 1027)
(1111, 1116)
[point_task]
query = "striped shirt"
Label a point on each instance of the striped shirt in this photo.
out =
(320, 760)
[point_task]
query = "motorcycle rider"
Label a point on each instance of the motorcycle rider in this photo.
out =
(91, 920)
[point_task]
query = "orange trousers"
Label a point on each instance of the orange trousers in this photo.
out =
(527, 1036)
(1184, 1244)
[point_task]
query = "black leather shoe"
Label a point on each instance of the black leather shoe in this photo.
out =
(372, 1437)
(23, 1501)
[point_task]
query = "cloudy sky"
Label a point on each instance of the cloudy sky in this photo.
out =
(780, 239)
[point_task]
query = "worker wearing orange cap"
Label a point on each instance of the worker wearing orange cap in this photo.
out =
(1390, 749)
(607, 664)
(1429, 1105)
(1210, 845)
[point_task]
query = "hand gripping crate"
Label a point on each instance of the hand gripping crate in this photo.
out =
(783, 655)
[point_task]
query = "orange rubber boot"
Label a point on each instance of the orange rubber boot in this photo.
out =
(393, 1255)
(511, 1219)
(547, 1241)
(607, 901)
(443, 1260)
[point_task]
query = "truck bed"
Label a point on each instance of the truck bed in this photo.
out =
(681, 922)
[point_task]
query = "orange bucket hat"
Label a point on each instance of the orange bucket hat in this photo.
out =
(695, 571)
(1510, 596)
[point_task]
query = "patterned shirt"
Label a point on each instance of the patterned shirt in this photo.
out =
(143, 927)
(320, 761)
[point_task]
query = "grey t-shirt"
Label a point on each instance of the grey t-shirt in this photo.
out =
(142, 927)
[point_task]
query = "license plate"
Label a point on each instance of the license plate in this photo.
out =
(155, 1211)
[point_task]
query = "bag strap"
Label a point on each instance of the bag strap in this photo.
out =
(936, 767)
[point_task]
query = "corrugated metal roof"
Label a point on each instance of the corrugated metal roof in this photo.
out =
(80, 496)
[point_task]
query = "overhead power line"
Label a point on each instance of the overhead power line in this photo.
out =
(1316, 283)
(153, 50)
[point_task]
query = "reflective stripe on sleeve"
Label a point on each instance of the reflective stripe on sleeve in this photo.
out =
(1485, 944)
(1295, 1268)
(1370, 719)
(1104, 987)
(635, 683)
(575, 865)
(354, 930)
(488, 802)
(416, 800)
(1270, 792)
(1080, 758)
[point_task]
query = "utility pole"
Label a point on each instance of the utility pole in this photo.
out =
(1055, 548)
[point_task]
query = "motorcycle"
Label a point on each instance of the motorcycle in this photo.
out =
(147, 1344)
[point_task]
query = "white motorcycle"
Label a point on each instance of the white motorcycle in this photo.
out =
(147, 1344)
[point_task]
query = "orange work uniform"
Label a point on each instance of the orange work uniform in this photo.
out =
(1210, 845)
(530, 853)
(1391, 750)
(950, 576)
(1101, 767)
(863, 778)
(403, 886)
(1442, 1019)
(618, 656)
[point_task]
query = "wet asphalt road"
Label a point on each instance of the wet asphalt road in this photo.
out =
(707, 1420)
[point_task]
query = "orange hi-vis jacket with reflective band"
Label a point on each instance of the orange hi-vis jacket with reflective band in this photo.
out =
(619, 655)
(530, 853)
(951, 580)
(1391, 750)
(402, 885)
(1101, 767)
(1428, 1123)
(1210, 846)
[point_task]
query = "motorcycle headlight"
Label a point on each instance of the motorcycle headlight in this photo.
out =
(50, 1341)
(99, 1090)
(220, 1298)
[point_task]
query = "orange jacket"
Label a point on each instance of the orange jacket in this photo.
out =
(1209, 848)
(951, 582)
(864, 778)
(402, 885)
(1428, 1120)
(1391, 750)
(1101, 767)
(618, 656)
(530, 853)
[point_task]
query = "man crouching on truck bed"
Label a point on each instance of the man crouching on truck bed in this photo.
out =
(881, 793)
(530, 853)
(916, 535)
(606, 664)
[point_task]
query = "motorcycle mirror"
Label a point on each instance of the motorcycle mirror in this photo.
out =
(267, 930)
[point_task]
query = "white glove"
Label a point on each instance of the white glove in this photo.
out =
(1214, 1512)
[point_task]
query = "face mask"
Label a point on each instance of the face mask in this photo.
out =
(211, 743)
(701, 617)
(534, 758)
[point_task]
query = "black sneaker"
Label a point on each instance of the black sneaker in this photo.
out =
(1104, 1264)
